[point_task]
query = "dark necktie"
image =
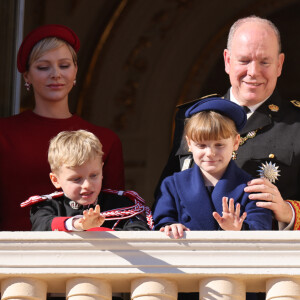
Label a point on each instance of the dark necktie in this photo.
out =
(246, 109)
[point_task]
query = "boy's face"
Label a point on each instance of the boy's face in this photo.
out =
(81, 184)
(213, 157)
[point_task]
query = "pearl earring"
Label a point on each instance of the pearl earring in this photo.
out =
(27, 86)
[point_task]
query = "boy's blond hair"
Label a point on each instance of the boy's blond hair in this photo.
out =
(73, 149)
(209, 126)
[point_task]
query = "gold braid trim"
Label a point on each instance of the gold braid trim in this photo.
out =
(249, 135)
(295, 102)
(296, 206)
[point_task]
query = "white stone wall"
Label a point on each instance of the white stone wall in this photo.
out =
(145, 264)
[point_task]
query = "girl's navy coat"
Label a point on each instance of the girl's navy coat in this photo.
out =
(184, 199)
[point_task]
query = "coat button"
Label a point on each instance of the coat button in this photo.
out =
(186, 218)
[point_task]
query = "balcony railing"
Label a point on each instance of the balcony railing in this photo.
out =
(149, 265)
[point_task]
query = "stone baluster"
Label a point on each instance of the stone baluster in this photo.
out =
(222, 288)
(283, 289)
(23, 288)
(88, 289)
(153, 289)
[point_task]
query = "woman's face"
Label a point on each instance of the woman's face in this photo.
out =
(52, 75)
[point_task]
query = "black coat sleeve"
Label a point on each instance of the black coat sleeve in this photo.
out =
(42, 215)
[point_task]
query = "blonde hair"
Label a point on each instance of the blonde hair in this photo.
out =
(208, 126)
(73, 149)
(47, 44)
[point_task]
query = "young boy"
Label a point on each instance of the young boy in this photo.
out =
(75, 159)
(197, 198)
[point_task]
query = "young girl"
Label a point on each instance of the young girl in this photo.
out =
(210, 196)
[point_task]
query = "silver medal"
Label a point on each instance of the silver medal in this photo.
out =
(269, 171)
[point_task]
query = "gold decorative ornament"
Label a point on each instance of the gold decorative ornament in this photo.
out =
(273, 107)
(296, 103)
(269, 171)
(250, 135)
(271, 155)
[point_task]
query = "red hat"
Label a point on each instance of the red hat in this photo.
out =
(52, 30)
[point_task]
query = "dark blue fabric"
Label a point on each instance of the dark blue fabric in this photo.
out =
(222, 106)
(184, 199)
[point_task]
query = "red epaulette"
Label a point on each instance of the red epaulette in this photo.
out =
(128, 212)
(36, 199)
(296, 206)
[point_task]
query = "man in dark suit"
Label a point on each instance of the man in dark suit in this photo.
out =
(270, 145)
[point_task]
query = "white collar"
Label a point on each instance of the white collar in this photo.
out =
(252, 108)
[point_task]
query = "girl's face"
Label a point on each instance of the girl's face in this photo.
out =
(52, 75)
(213, 157)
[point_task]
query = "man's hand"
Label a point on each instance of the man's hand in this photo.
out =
(91, 218)
(230, 219)
(267, 192)
(176, 229)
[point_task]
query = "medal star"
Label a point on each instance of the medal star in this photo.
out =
(269, 171)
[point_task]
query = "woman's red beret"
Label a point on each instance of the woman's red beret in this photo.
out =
(51, 30)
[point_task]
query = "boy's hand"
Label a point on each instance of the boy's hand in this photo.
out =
(176, 229)
(91, 218)
(230, 219)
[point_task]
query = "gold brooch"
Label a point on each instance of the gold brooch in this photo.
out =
(273, 107)
(269, 171)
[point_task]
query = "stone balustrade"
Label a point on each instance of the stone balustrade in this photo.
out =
(149, 265)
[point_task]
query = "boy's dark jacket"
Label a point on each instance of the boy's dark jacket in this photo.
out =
(51, 214)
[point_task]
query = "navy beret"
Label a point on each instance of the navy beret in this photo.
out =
(223, 106)
(50, 30)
